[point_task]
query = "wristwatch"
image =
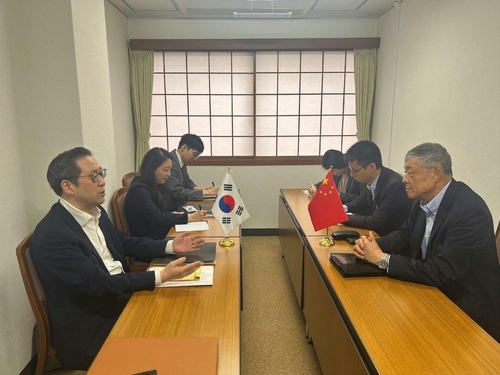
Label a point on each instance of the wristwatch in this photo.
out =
(383, 262)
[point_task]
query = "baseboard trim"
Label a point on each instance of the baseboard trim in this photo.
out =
(259, 232)
(30, 368)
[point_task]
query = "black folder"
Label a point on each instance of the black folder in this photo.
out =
(350, 266)
(206, 254)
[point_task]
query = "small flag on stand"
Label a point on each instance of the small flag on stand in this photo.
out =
(228, 209)
(325, 207)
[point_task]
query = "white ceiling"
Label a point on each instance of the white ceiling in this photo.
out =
(223, 9)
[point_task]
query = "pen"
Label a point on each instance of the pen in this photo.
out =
(199, 206)
(213, 184)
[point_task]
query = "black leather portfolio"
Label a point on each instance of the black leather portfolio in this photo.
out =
(350, 266)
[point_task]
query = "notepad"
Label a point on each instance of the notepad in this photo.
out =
(206, 254)
(193, 226)
(206, 278)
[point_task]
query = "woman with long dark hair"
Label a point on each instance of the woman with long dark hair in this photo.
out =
(144, 204)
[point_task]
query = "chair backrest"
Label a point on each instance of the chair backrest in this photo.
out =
(37, 299)
(128, 177)
(497, 240)
(118, 204)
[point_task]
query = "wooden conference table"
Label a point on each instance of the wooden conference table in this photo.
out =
(204, 311)
(375, 325)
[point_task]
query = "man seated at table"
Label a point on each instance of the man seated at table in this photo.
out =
(79, 257)
(447, 241)
(348, 188)
(383, 205)
(180, 188)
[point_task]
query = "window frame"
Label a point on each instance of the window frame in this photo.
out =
(254, 45)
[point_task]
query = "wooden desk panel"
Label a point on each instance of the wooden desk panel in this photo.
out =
(292, 247)
(205, 311)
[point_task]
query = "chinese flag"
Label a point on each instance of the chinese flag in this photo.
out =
(326, 208)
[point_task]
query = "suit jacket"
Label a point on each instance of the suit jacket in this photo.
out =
(353, 188)
(83, 299)
(145, 214)
(461, 257)
(388, 211)
(179, 187)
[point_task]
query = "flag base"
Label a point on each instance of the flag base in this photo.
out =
(327, 242)
(226, 242)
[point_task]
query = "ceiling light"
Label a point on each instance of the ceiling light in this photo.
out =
(262, 15)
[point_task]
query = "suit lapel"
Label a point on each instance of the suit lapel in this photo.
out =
(418, 215)
(442, 213)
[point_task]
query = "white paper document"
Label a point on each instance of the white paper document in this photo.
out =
(193, 226)
(206, 278)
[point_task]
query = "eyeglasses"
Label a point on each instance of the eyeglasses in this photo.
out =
(96, 175)
(196, 155)
(353, 172)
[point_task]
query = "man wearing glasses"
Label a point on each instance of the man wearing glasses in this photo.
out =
(180, 188)
(383, 205)
(79, 257)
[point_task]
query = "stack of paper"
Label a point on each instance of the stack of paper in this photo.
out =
(191, 227)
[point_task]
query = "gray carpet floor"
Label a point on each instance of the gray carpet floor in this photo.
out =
(273, 331)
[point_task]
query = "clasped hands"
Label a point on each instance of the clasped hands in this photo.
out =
(367, 248)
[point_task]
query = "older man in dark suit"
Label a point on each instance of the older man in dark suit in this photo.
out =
(79, 257)
(383, 204)
(447, 241)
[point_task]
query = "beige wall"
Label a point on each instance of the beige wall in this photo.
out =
(447, 87)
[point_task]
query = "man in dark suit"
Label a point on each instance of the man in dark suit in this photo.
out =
(79, 257)
(447, 241)
(383, 205)
(180, 188)
(347, 186)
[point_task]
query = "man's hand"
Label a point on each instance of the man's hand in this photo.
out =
(368, 249)
(211, 191)
(177, 270)
(183, 243)
(312, 190)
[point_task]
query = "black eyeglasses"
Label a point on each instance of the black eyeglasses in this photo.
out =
(96, 175)
(357, 170)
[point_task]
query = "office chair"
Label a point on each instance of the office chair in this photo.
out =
(128, 177)
(36, 297)
(118, 204)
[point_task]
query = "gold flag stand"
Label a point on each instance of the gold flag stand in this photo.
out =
(327, 242)
(226, 242)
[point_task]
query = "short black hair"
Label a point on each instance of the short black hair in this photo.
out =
(64, 167)
(192, 141)
(151, 161)
(333, 159)
(364, 152)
